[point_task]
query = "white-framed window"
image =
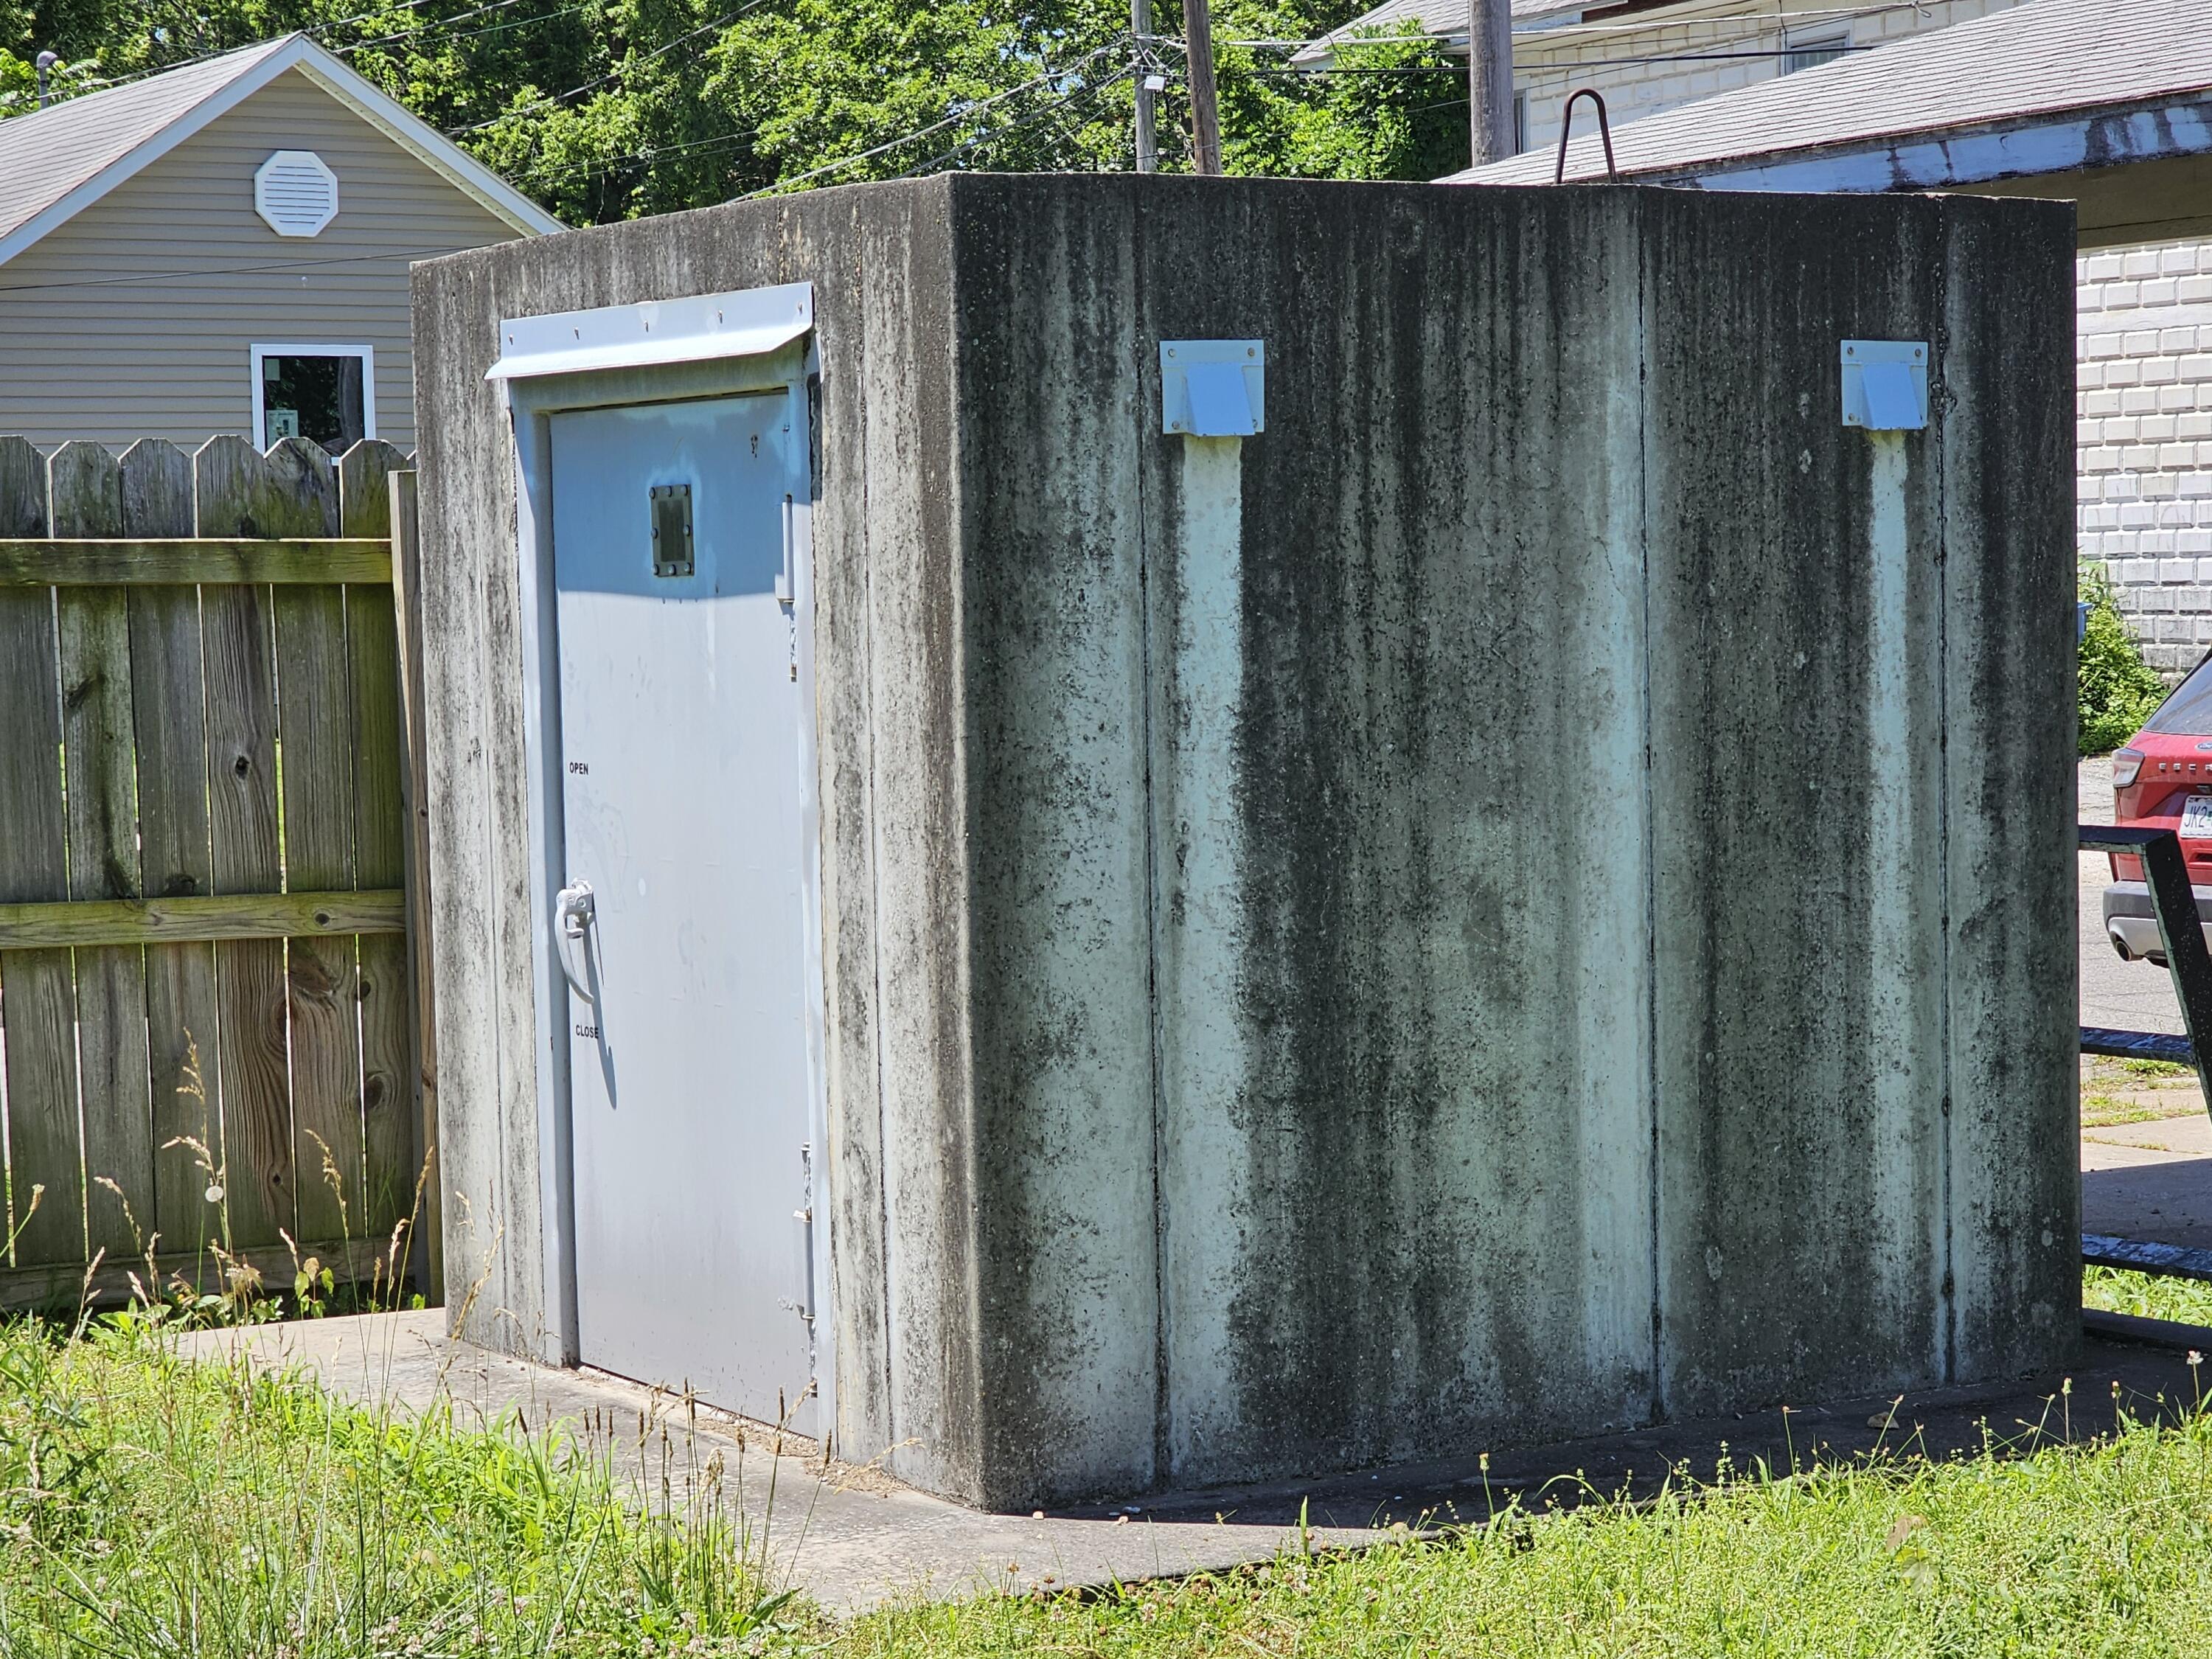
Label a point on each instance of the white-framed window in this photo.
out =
(1804, 52)
(1520, 121)
(314, 390)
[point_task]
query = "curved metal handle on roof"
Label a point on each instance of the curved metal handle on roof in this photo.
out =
(1567, 127)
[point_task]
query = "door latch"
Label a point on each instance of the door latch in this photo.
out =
(573, 913)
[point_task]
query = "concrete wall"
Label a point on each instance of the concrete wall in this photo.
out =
(1458, 920)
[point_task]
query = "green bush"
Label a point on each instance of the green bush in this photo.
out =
(2118, 689)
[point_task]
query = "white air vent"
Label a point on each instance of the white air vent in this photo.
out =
(296, 194)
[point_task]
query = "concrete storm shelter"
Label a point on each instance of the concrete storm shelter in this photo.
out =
(1522, 884)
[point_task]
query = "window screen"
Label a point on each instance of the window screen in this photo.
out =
(320, 398)
(1814, 51)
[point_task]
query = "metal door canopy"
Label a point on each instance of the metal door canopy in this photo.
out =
(749, 322)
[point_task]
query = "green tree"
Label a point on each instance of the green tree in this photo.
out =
(607, 109)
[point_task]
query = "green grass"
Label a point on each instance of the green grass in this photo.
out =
(2155, 1068)
(152, 1507)
(2185, 1301)
(2103, 1550)
(2109, 1111)
(149, 1507)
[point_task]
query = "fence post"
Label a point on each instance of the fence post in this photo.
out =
(407, 606)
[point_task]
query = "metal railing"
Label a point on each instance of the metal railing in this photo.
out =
(2181, 935)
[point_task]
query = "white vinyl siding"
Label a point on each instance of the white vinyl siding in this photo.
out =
(136, 318)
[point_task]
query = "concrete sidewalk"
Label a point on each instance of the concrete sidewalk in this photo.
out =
(852, 1539)
(849, 1535)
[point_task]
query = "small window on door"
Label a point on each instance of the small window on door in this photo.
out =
(326, 393)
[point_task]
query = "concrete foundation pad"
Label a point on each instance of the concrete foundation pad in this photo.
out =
(853, 1540)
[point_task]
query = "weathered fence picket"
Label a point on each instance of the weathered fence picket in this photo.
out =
(46, 1199)
(232, 494)
(168, 708)
(84, 490)
(203, 969)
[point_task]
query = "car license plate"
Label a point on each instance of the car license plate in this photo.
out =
(2197, 817)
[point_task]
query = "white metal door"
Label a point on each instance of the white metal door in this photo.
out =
(683, 801)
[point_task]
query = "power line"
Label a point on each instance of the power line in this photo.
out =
(964, 111)
(238, 271)
(1548, 68)
(1754, 23)
(437, 24)
(363, 16)
(607, 165)
(1066, 102)
(423, 24)
(614, 73)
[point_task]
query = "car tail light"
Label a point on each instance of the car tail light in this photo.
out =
(2126, 762)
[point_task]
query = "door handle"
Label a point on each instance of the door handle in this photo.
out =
(784, 579)
(573, 912)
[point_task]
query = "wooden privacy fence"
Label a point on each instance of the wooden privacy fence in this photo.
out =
(204, 840)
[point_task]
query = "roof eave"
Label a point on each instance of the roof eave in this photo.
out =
(220, 100)
(381, 111)
(2032, 144)
(428, 145)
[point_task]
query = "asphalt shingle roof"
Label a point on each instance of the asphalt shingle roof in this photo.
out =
(2043, 57)
(45, 154)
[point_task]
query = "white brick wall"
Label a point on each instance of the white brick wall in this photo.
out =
(2143, 409)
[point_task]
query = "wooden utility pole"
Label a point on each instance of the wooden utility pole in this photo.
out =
(1205, 110)
(1490, 79)
(1148, 131)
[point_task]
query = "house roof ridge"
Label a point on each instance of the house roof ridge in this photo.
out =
(57, 161)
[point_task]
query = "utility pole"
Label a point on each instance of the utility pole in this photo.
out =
(1205, 109)
(1148, 130)
(1490, 79)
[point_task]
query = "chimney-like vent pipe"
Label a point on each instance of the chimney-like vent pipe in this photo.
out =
(46, 61)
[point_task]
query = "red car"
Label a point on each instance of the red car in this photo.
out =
(2163, 780)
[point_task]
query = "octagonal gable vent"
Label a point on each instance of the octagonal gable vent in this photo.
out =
(296, 194)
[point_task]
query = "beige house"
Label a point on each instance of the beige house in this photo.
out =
(223, 249)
